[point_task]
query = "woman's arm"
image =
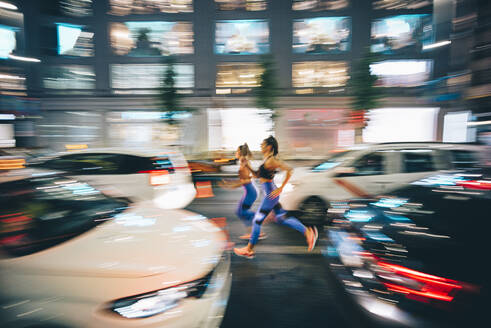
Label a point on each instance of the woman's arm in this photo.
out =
(277, 164)
(227, 184)
(247, 165)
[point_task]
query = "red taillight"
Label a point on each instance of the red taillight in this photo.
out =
(429, 286)
(475, 184)
(157, 177)
(414, 284)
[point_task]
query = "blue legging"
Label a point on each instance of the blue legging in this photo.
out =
(266, 207)
(244, 208)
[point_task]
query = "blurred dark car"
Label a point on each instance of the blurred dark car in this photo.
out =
(418, 256)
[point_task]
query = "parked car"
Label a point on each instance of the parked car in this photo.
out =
(369, 170)
(71, 256)
(161, 176)
(417, 257)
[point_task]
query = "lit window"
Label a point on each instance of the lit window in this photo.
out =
(76, 8)
(322, 35)
(318, 5)
(401, 33)
(241, 37)
(127, 7)
(402, 73)
(12, 81)
(148, 77)
(75, 40)
(248, 5)
(69, 77)
(319, 74)
(144, 39)
(8, 41)
(401, 4)
(238, 75)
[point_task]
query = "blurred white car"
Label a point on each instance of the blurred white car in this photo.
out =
(369, 170)
(73, 257)
(161, 176)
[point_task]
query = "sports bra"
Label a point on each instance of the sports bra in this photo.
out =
(264, 173)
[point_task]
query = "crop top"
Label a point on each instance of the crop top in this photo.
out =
(265, 173)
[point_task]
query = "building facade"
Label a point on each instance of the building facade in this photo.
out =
(102, 64)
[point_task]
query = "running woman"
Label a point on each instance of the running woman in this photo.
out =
(243, 154)
(266, 172)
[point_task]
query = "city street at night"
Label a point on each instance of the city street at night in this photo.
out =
(245, 163)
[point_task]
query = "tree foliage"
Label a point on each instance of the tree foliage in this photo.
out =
(266, 93)
(169, 98)
(365, 95)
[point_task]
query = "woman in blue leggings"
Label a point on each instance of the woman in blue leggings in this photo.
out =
(266, 172)
(243, 154)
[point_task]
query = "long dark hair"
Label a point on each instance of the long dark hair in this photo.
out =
(244, 151)
(271, 141)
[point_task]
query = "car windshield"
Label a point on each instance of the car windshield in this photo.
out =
(38, 213)
(332, 161)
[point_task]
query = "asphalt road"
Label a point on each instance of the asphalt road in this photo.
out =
(284, 286)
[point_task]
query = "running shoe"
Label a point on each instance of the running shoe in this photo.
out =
(247, 236)
(244, 252)
(312, 238)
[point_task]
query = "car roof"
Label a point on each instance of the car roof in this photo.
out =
(144, 152)
(399, 145)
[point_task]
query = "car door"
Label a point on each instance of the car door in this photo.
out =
(415, 164)
(116, 174)
(365, 175)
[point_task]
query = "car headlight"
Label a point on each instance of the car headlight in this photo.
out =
(147, 305)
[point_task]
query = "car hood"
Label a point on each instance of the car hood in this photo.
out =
(140, 242)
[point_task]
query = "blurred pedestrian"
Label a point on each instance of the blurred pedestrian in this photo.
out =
(244, 212)
(266, 173)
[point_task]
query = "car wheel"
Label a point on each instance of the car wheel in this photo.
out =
(313, 211)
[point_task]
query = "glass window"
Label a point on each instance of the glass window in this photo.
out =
(332, 162)
(75, 40)
(73, 8)
(464, 159)
(318, 5)
(402, 73)
(238, 75)
(147, 78)
(75, 77)
(248, 5)
(401, 34)
(8, 40)
(128, 7)
(322, 35)
(320, 74)
(84, 164)
(151, 39)
(11, 79)
(371, 164)
(417, 160)
(242, 37)
(94, 164)
(39, 213)
(401, 4)
(66, 163)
